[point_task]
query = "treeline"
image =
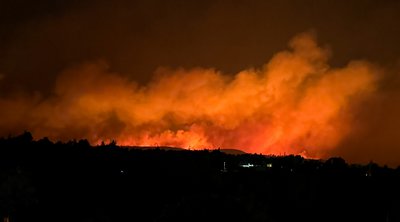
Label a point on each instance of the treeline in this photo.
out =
(73, 181)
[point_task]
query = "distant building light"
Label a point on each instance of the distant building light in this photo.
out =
(248, 165)
(269, 165)
(224, 169)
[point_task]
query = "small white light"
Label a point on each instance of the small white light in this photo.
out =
(248, 165)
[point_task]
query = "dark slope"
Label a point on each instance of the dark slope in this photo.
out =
(42, 181)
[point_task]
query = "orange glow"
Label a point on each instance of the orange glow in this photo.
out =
(295, 104)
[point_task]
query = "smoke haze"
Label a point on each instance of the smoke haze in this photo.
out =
(206, 74)
(296, 103)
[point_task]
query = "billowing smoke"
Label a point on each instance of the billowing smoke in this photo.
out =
(295, 104)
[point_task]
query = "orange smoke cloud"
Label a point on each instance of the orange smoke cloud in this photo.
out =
(295, 104)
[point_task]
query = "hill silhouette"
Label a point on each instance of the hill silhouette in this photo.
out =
(227, 151)
(154, 147)
(73, 181)
(232, 151)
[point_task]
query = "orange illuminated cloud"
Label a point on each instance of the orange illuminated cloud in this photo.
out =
(295, 104)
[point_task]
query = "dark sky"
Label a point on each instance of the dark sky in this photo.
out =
(41, 39)
(38, 39)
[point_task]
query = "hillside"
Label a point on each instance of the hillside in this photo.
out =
(45, 181)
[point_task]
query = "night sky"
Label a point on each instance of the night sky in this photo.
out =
(42, 41)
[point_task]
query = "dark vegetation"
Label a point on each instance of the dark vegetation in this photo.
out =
(45, 181)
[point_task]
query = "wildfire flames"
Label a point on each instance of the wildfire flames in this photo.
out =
(296, 103)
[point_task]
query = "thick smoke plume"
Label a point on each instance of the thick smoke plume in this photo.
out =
(295, 104)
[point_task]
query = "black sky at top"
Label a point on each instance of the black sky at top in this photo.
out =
(39, 39)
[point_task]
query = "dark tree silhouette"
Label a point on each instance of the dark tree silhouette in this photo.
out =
(74, 181)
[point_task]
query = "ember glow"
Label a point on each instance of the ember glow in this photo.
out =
(295, 104)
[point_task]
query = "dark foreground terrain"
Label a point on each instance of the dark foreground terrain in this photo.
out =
(43, 181)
